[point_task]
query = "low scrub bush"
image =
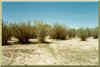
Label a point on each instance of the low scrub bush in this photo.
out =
(58, 32)
(71, 33)
(83, 34)
(23, 32)
(42, 30)
(95, 33)
(6, 34)
(89, 31)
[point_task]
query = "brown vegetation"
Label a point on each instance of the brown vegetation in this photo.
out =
(23, 32)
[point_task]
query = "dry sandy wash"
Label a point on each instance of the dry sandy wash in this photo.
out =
(57, 52)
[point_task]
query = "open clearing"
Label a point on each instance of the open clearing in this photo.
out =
(57, 52)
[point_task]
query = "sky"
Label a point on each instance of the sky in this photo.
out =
(72, 14)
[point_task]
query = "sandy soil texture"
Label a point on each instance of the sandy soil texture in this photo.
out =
(57, 52)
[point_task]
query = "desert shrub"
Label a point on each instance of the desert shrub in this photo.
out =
(95, 33)
(71, 33)
(23, 32)
(42, 30)
(83, 34)
(90, 32)
(6, 34)
(58, 32)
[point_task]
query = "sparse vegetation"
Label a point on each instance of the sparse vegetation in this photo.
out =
(59, 32)
(89, 31)
(92, 32)
(42, 30)
(6, 34)
(95, 33)
(56, 50)
(49, 33)
(71, 33)
(83, 34)
(23, 32)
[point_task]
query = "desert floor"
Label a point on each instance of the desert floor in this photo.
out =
(56, 52)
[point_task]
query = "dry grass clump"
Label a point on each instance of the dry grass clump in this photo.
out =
(6, 34)
(23, 32)
(58, 32)
(42, 30)
(83, 34)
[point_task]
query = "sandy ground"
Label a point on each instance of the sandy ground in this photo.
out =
(57, 52)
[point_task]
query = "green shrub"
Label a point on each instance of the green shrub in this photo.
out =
(83, 34)
(58, 32)
(23, 32)
(89, 31)
(42, 30)
(6, 34)
(71, 33)
(95, 33)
